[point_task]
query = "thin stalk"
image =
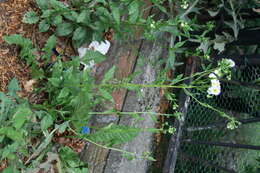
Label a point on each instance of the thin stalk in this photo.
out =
(127, 113)
(146, 85)
(189, 9)
(108, 148)
(223, 114)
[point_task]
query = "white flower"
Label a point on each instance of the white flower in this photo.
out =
(218, 72)
(230, 62)
(89, 65)
(102, 47)
(214, 90)
(215, 83)
(152, 25)
(212, 76)
(185, 5)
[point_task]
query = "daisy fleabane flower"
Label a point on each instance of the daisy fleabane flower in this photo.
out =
(214, 90)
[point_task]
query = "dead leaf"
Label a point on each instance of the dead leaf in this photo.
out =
(28, 86)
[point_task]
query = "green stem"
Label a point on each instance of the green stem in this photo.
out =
(223, 114)
(126, 113)
(146, 85)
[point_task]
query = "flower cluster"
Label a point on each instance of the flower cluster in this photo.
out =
(185, 4)
(224, 67)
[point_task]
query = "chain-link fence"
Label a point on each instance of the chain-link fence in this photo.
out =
(207, 145)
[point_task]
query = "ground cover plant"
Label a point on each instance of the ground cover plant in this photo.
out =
(28, 130)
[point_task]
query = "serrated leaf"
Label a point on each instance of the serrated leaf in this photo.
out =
(63, 93)
(64, 29)
(49, 45)
(47, 13)
(79, 33)
(21, 115)
(11, 133)
(106, 95)
(54, 81)
(57, 4)
(30, 17)
(115, 13)
(109, 74)
(115, 134)
(44, 26)
(19, 40)
(93, 55)
(46, 122)
(71, 15)
(83, 17)
(57, 20)
(13, 87)
(42, 4)
(133, 11)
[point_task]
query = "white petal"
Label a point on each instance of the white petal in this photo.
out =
(102, 47)
(82, 51)
(218, 72)
(214, 90)
(212, 76)
(215, 82)
(231, 63)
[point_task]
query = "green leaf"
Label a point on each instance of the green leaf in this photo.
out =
(47, 13)
(46, 122)
(134, 11)
(63, 93)
(64, 29)
(42, 4)
(57, 20)
(10, 170)
(13, 86)
(44, 26)
(11, 133)
(79, 33)
(106, 95)
(19, 40)
(63, 126)
(30, 17)
(114, 134)
(49, 45)
(109, 74)
(115, 12)
(84, 17)
(71, 15)
(21, 115)
(93, 55)
(58, 5)
(54, 81)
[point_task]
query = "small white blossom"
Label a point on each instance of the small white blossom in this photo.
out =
(215, 83)
(231, 63)
(185, 5)
(214, 90)
(212, 76)
(218, 72)
(152, 25)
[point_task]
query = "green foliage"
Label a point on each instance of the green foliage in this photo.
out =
(30, 17)
(73, 93)
(114, 134)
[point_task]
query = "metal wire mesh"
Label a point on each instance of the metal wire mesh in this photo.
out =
(239, 99)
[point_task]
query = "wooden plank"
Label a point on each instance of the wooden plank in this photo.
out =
(174, 142)
(116, 163)
(124, 56)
